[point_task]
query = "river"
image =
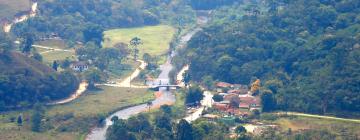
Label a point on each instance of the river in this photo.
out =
(98, 133)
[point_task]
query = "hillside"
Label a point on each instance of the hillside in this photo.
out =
(306, 55)
(9, 8)
(16, 62)
(24, 81)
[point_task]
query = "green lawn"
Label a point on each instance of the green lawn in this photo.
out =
(49, 57)
(8, 8)
(73, 120)
(156, 39)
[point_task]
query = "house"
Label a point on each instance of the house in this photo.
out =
(79, 66)
(221, 107)
(250, 103)
(223, 85)
(228, 97)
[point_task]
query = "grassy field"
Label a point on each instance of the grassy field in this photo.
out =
(72, 121)
(49, 57)
(8, 8)
(57, 44)
(156, 39)
(303, 123)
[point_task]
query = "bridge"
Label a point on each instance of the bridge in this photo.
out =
(168, 87)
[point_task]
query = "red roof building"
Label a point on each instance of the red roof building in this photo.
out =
(223, 85)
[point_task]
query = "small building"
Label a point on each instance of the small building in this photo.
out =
(79, 66)
(223, 85)
(228, 97)
(250, 103)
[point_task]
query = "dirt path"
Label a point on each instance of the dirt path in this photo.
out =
(127, 81)
(318, 116)
(82, 88)
(180, 77)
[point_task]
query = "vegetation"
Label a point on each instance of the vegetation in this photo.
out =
(25, 81)
(155, 39)
(304, 52)
(72, 120)
(9, 8)
(193, 96)
(76, 20)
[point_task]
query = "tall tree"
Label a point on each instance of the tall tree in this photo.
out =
(55, 65)
(27, 43)
(184, 131)
(135, 42)
(19, 120)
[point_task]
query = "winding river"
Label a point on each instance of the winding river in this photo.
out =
(167, 97)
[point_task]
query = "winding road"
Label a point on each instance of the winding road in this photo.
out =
(82, 88)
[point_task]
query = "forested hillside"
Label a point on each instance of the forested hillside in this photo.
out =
(25, 81)
(306, 53)
(72, 19)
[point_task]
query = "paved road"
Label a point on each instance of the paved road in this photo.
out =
(206, 102)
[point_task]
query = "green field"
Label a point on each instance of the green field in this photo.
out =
(72, 121)
(303, 123)
(156, 39)
(50, 57)
(8, 8)
(58, 44)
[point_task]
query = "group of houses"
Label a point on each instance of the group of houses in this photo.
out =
(237, 100)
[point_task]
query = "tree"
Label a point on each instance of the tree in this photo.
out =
(37, 57)
(166, 109)
(240, 129)
(186, 78)
(194, 95)
(149, 104)
(147, 57)
(163, 121)
(66, 63)
(255, 86)
(55, 65)
(135, 42)
(27, 44)
(93, 76)
(93, 33)
(36, 118)
(218, 98)
(268, 101)
(19, 120)
(184, 131)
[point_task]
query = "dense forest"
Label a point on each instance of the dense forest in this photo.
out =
(210, 4)
(25, 81)
(306, 53)
(71, 19)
